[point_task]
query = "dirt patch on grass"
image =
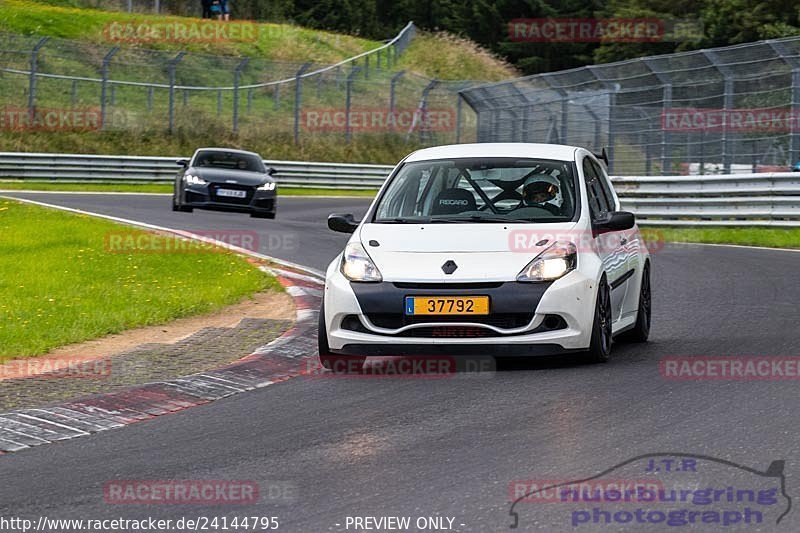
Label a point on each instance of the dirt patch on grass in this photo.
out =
(275, 305)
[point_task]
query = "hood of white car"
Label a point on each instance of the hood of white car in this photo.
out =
(481, 252)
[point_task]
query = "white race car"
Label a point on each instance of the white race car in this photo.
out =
(487, 249)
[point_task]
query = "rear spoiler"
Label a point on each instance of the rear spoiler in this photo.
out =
(603, 156)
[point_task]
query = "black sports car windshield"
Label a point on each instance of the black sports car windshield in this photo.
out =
(228, 160)
(490, 190)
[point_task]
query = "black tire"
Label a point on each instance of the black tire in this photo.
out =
(342, 364)
(600, 345)
(262, 215)
(180, 208)
(641, 330)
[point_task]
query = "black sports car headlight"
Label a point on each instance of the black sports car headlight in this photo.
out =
(191, 179)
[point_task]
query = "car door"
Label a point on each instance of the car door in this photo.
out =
(630, 243)
(610, 245)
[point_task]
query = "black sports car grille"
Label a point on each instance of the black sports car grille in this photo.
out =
(498, 320)
(265, 203)
(195, 197)
(214, 187)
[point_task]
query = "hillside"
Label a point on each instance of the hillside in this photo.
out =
(275, 42)
(136, 115)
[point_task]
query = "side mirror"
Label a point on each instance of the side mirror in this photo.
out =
(342, 223)
(271, 171)
(182, 163)
(615, 221)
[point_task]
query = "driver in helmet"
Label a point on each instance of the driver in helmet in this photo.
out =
(544, 191)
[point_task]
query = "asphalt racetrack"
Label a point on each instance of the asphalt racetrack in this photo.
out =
(453, 447)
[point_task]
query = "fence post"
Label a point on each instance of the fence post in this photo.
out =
(298, 94)
(32, 81)
(790, 58)
(727, 157)
(104, 84)
(219, 102)
(612, 129)
(666, 156)
(458, 117)
(392, 90)
(366, 67)
(347, 100)
(156, 6)
(237, 75)
(422, 107)
(378, 59)
(794, 143)
(150, 91)
(173, 63)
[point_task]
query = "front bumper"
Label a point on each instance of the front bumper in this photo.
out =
(205, 197)
(526, 319)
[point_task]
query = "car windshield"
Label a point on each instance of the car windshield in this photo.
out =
(492, 190)
(228, 160)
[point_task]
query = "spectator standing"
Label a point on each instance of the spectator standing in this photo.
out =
(206, 4)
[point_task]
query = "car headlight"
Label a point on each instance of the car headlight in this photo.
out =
(191, 179)
(554, 262)
(268, 186)
(357, 264)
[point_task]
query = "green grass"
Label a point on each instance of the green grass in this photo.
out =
(459, 58)
(366, 148)
(280, 42)
(447, 57)
(59, 284)
(161, 188)
(767, 237)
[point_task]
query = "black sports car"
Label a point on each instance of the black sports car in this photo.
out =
(225, 180)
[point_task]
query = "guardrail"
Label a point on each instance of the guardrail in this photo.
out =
(769, 199)
(66, 168)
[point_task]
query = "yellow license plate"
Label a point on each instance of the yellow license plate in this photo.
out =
(447, 305)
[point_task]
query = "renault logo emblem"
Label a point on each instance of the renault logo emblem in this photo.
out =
(449, 267)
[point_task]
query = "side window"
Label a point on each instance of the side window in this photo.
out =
(605, 184)
(597, 200)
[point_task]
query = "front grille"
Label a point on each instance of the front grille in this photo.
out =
(450, 332)
(195, 197)
(227, 199)
(498, 320)
(352, 323)
(265, 203)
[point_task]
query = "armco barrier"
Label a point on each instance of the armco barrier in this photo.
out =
(768, 199)
(103, 168)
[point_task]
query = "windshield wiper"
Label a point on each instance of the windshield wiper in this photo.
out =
(477, 218)
(404, 220)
